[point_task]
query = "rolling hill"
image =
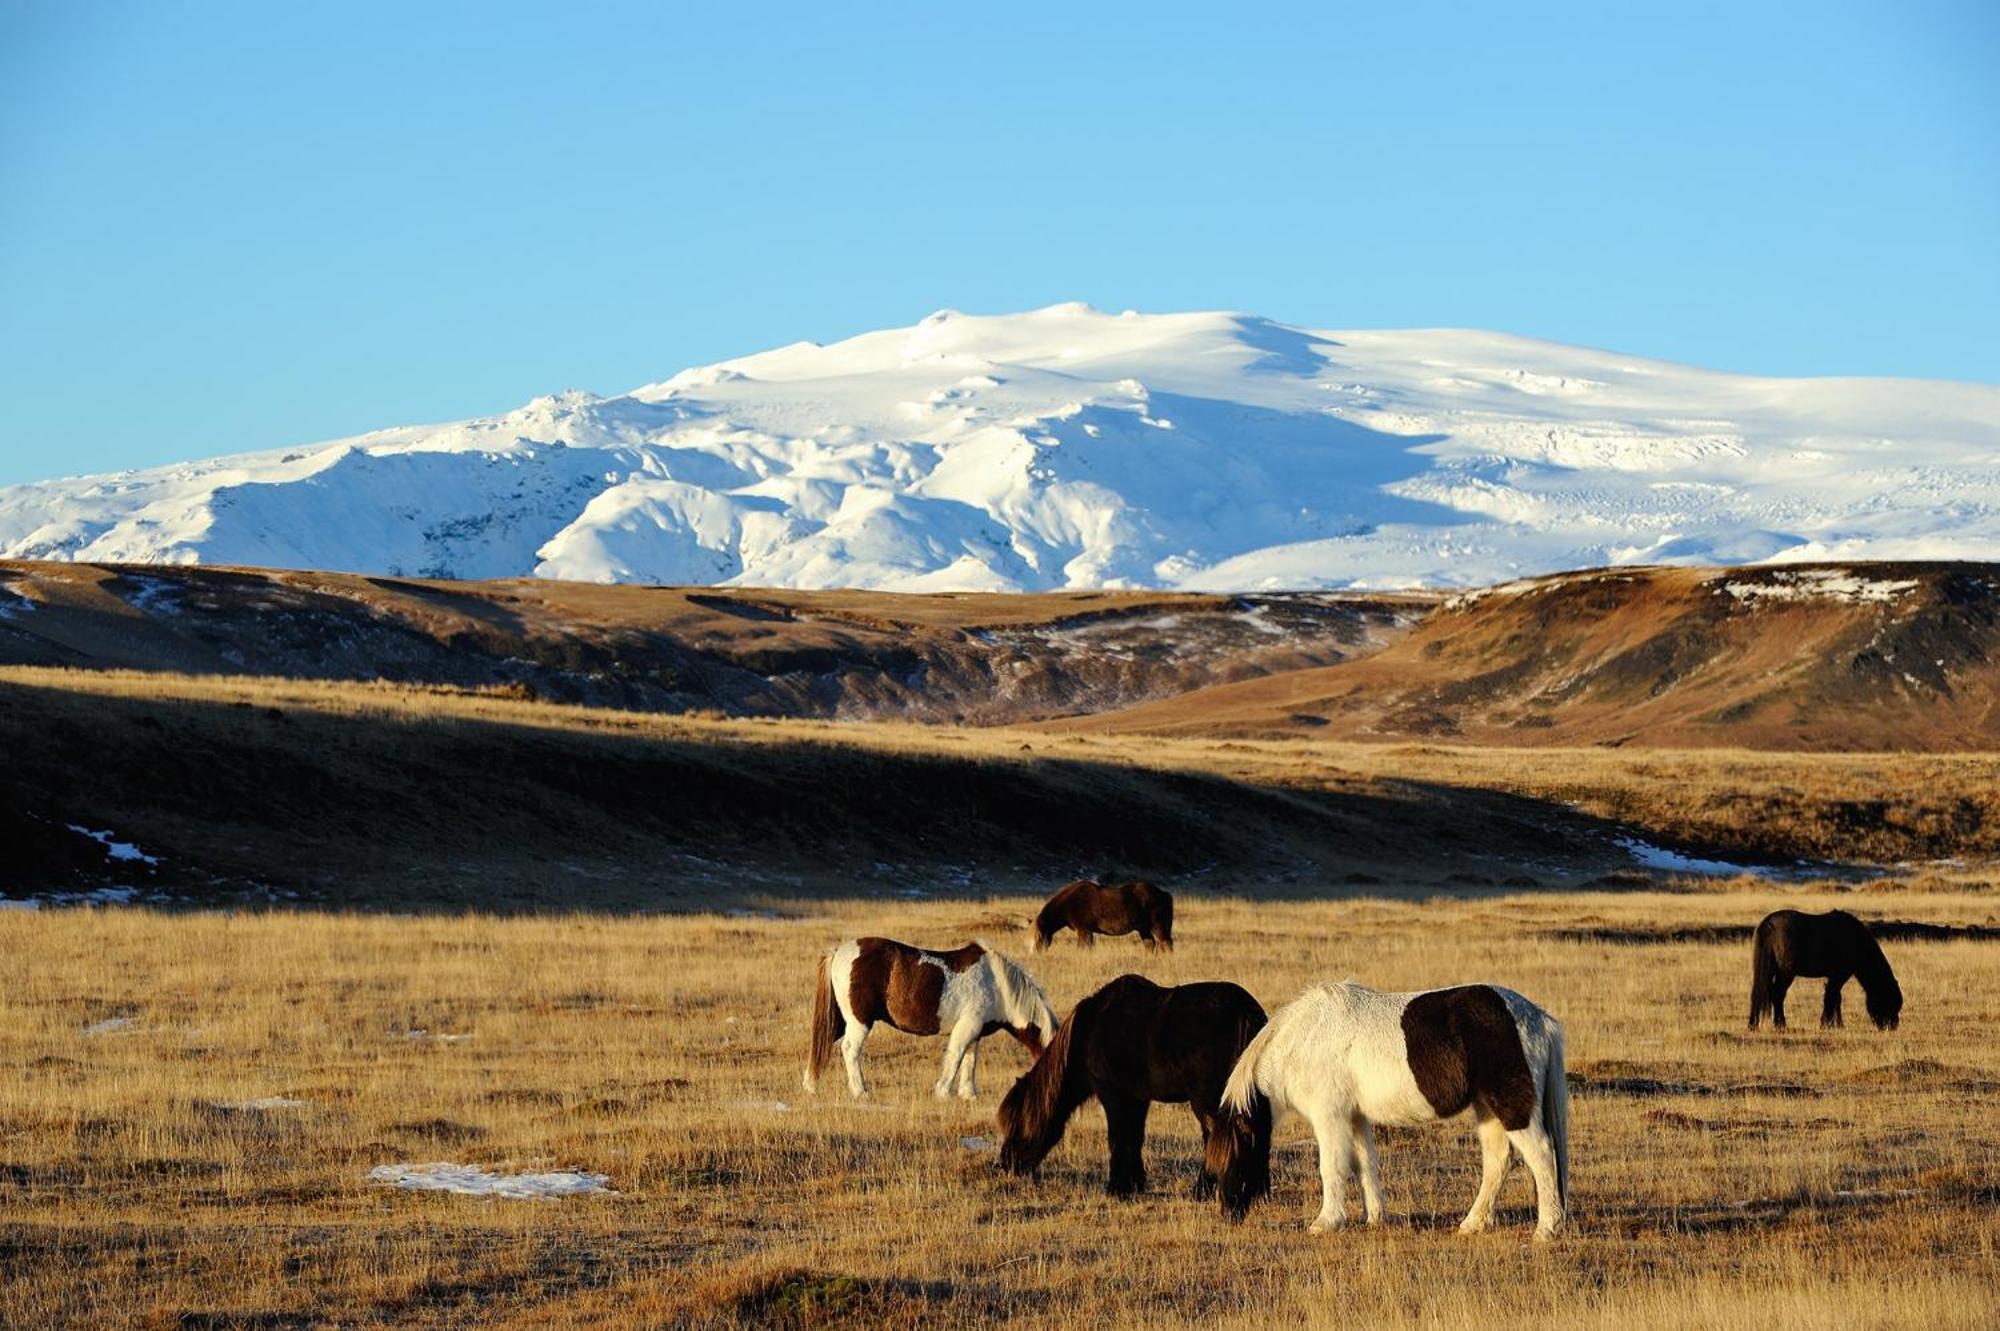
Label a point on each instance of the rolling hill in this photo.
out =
(1882, 657)
(943, 657)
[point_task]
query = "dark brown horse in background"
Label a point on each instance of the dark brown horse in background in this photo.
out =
(1789, 944)
(1130, 1044)
(1090, 908)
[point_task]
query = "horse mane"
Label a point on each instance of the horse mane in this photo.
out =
(1034, 1112)
(1009, 978)
(1878, 981)
(1051, 917)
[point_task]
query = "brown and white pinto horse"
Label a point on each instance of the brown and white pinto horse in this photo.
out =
(1345, 1057)
(969, 992)
(1131, 1044)
(1836, 945)
(1090, 908)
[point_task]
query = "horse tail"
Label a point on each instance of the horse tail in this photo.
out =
(828, 1025)
(1555, 1107)
(1241, 1092)
(1763, 975)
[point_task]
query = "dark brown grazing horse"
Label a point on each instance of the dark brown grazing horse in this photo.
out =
(1836, 945)
(1092, 908)
(1129, 1044)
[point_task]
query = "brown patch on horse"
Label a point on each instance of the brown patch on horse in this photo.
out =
(1465, 1049)
(901, 985)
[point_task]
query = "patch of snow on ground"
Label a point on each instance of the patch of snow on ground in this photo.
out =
(976, 1143)
(111, 1026)
(441, 1037)
(1820, 584)
(15, 603)
(117, 850)
(1658, 857)
(471, 1181)
(263, 1104)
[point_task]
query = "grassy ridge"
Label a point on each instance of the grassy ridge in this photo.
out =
(376, 794)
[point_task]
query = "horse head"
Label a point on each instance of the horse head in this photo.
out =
(1238, 1155)
(1885, 1003)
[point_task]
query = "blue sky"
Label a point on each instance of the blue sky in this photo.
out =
(226, 227)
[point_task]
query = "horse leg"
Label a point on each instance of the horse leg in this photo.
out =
(1125, 1123)
(968, 1071)
(1829, 1010)
(850, 1054)
(1492, 1172)
(1540, 1154)
(1084, 937)
(1371, 1178)
(1779, 988)
(1204, 1182)
(1336, 1156)
(963, 1036)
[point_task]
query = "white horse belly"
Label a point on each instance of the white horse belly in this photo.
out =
(1385, 1090)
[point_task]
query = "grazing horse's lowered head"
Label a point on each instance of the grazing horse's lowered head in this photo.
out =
(1027, 1013)
(1238, 1156)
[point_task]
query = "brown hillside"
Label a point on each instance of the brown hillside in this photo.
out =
(1866, 657)
(974, 658)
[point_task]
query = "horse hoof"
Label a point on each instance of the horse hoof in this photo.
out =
(1324, 1226)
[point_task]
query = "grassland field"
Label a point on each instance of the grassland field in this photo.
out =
(1722, 1178)
(526, 937)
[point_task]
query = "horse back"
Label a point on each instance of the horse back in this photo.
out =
(902, 985)
(1170, 1045)
(1813, 945)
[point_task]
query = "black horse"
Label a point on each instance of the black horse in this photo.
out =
(1129, 1044)
(1836, 945)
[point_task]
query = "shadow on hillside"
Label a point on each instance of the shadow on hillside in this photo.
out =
(377, 811)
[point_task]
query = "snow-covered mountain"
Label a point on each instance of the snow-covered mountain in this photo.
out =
(1070, 448)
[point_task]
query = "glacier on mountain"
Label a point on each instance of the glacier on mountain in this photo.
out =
(1071, 448)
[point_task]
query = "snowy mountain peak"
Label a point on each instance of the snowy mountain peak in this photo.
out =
(1068, 447)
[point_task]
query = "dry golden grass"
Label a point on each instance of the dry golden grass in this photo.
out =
(1773, 1181)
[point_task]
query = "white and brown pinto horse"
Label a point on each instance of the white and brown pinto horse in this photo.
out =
(970, 992)
(1345, 1057)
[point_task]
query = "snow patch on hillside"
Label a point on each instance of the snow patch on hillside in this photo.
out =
(1065, 447)
(1821, 584)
